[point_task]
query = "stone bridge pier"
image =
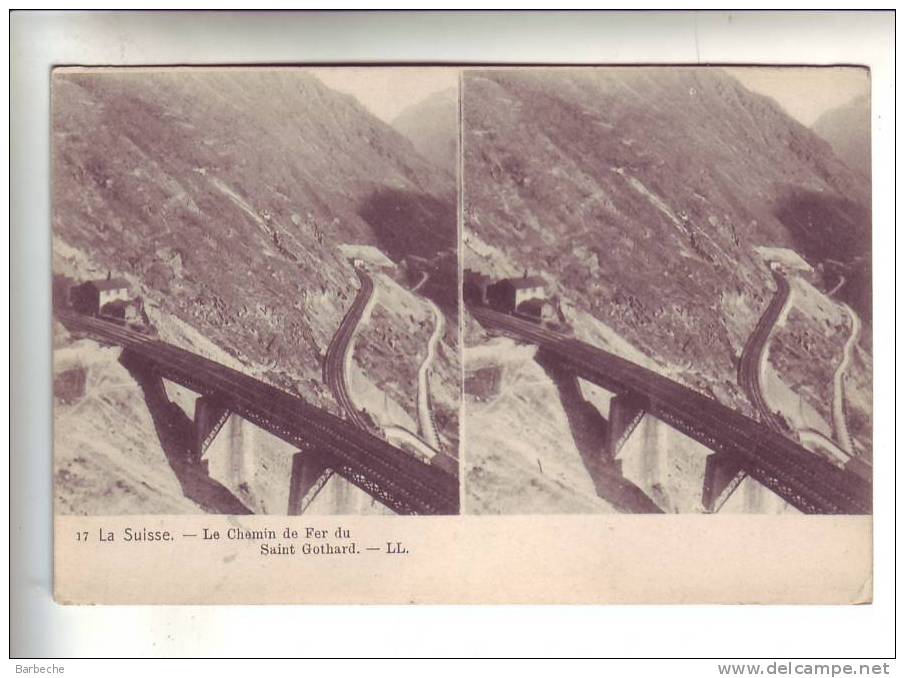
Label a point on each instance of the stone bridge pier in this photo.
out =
(184, 440)
(626, 412)
(214, 452)
(723, 474)
(310, 472)
(236, 457)
(210, 416)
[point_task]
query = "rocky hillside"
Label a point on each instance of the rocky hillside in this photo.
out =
(847, 128)
(115, 452)
(224, 198)
(640, 194)
(222, 195)
(432, 126)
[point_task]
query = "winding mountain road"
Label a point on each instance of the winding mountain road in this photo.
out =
(338, 359)
(840, 425)
(754, 356)
(425, 413)
(805, 480)
(752, 364)
(424, 277)
(813, 436)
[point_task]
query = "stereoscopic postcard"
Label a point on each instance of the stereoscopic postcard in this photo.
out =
(462, 335)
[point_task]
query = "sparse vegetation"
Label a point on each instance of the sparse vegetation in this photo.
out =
(669, 178)
(222, 196)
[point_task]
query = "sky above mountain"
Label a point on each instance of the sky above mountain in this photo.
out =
(386, 92)
(806, 93)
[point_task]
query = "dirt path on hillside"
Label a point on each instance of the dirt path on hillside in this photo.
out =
(425, 414)
(840, 425)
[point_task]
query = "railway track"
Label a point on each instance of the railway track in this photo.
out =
(749, 365)
(337, 356)
(395, 478)
(803, 479)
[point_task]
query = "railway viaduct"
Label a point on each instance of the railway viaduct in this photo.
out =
(326, 443)
(741, 446)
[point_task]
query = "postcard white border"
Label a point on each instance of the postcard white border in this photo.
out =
(41, 40)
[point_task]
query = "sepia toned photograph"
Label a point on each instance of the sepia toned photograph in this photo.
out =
(667, 289)
(255, 291)
(439, 333)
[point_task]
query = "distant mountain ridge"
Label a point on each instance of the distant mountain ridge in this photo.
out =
(847, 128)
(432, 126)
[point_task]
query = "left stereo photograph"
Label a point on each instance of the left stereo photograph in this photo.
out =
(255, 291)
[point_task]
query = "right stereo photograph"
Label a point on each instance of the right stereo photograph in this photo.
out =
(667, 290)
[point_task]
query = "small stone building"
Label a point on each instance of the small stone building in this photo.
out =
(129, 311)
(537, 309)
(510, 293)
(92, 296)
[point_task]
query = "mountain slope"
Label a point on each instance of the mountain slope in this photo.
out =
(223, 194)
(847, 128)
(431, 126)
(224, 197)
(640, 194)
